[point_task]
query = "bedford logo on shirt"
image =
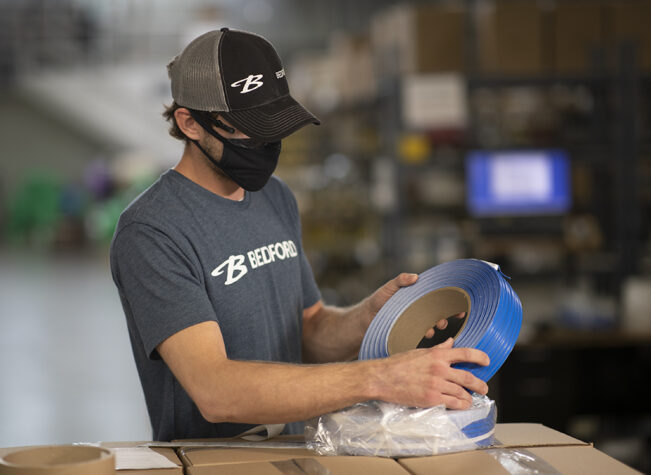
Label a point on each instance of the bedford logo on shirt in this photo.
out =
(235, 265)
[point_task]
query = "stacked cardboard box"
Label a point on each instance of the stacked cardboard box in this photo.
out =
(579, 28)
(629, 23)
(410, 39)
(518, 446)
(512, 38)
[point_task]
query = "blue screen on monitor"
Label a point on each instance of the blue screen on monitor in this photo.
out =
(518, 182)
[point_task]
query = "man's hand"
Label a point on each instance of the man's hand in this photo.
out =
(425, 378)
(375, 301)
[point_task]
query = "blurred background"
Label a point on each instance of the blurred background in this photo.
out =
(514, 131)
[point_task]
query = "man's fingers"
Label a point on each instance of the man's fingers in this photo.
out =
(442, 324)
(468, 355)
(454, 390)
(405, 279)
(430, 333)
(468, 380)
(452, 402)
(447, 344)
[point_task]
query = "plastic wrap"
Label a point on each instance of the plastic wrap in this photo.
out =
(377, 428)
(522, 462)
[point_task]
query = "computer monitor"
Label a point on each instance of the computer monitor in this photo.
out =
(518, 183)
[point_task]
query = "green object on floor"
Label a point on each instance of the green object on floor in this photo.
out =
(34, 212)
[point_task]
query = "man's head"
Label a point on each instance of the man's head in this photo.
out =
(232, 102)
(238, 75)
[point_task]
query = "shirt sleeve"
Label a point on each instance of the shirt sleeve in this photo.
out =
(160, 288)
(311, 293)
(291, 214)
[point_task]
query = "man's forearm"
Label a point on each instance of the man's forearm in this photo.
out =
(334, 334)
(268, 393)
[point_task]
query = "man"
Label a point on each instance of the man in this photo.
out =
(221, 304)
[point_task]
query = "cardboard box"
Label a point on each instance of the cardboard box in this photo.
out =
(540, 447)
(629, 22)
(65, 459)
(566, 460)
(356, 79)
(424, 38)
(206, 457)
(245, 461)
(434, 102)
(130, 459)
(579, 30)
(537, 446)
(300, 465)
(514, 37)
(133, 459)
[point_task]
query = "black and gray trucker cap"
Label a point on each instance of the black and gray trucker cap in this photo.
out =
(239, 75)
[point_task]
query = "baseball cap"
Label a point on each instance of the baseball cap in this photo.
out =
(239, 75)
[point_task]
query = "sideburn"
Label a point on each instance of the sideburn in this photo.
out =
(211, 165)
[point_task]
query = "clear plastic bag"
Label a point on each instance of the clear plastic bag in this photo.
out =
(377, 428)
(522, 462)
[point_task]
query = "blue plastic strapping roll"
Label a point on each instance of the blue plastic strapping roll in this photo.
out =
(492, 324)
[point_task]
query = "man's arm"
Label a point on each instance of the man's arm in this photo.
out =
(262, 393)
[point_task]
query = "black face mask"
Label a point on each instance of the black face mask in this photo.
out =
(247, 162)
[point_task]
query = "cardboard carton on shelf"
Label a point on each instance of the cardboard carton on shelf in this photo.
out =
(409, 39)
(513, 38)
(579, 28)
(356, 76)
(628, 22)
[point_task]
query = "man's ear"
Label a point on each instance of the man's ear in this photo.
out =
(187, 124)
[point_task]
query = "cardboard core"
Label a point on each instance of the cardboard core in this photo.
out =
(422, 314)
(68, 459)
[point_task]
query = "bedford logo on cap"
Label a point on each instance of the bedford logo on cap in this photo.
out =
(251, 83)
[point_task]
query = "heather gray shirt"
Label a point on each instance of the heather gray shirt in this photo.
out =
(182, 255)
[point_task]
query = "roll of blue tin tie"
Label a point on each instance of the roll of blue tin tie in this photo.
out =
(493, 313)
(492, 324)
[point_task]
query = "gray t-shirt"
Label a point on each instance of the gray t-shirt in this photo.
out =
(182, 255)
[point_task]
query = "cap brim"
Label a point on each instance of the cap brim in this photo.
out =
(271, 122)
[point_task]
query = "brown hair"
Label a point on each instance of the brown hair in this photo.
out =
(174, 129)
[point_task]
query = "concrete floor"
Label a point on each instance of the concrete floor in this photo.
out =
(66, 369)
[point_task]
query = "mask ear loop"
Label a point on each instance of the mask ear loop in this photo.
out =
(205, 124)
(204, 118)
(221, 125)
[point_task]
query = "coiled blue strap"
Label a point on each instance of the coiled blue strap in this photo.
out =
(492, 324)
